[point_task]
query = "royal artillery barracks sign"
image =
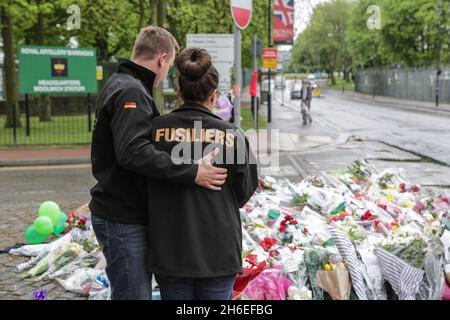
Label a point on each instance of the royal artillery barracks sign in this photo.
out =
(57, 70)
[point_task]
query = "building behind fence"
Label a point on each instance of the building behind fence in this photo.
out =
(413, 84)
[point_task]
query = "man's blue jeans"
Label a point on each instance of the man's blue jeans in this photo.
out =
(217, 288)
(125, 250)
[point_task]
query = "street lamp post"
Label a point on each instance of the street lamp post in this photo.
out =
(438, 51)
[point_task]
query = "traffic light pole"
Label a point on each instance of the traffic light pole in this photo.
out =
(255, 69)
(238, 75)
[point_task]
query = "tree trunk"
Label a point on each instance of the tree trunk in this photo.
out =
(141, 15)
(10, 75)
(333, 79)
(153, 19)
(162, 6)
(159, 17)
(45, 109)
(346, 75)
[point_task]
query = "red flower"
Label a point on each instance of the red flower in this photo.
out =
(294, 222)
(383, 206)
(273, 253)
(305, 230)
(282, 228)
(367, 216)
(268, 243)
(402, 187)
(415, 189)
(251, 259)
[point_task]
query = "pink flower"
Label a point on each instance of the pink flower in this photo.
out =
(419, 207)
(446, 200)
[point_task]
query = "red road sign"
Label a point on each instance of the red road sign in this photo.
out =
(270, 54)
(270, 58)
(241, 11)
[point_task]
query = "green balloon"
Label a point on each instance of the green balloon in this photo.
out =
(62, 218)
(43, 225)
(50, 209)
(60, 227)
(33, 237)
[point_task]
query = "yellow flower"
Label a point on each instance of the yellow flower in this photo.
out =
(327, 267)
(390, 197)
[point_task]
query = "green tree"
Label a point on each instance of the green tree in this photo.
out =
(365, 45)
(324, 40)
(214, 16)
(410, 31)
(9, 73)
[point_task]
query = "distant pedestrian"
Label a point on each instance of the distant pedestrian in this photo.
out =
(306, 97)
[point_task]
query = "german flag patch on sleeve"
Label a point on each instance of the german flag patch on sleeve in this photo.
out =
(129, 105)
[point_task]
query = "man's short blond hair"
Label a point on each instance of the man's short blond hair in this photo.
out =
(152, 41)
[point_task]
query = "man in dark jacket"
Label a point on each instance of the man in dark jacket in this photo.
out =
(123, 158)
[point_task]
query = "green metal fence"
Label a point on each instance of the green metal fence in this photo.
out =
(413, 84)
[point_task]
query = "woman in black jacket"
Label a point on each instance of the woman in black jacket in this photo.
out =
(195, 238)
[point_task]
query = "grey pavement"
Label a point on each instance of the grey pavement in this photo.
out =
(350, 129)
(22, 190)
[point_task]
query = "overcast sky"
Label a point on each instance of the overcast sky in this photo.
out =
(303, 11)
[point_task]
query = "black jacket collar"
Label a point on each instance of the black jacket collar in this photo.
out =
(189, 106)
(146, 76)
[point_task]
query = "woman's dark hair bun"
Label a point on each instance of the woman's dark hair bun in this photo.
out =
(193, 63)
(197, 78)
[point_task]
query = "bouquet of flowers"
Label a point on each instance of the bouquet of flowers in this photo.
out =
(410, 249)
(313, 262)
(75, 221)
(55, 260)
(335, 280)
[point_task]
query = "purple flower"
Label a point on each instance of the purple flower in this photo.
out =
(446, 200)
(419, 207)
(40, 295)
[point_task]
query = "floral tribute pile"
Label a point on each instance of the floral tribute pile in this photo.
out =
(356, 234)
